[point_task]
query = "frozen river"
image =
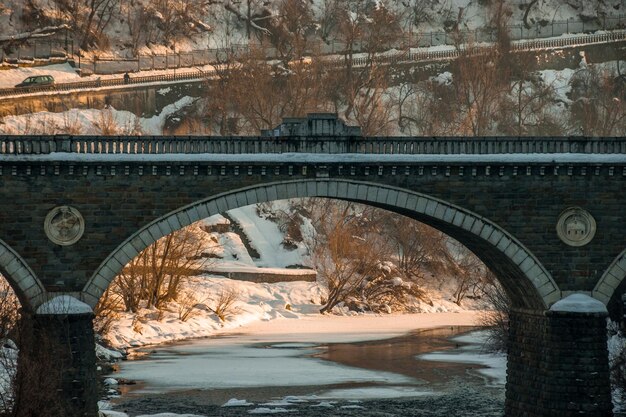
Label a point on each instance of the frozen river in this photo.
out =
(346, 369)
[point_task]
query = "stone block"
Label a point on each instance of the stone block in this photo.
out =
(222, 205)
(420, 207)
(613, 280)
(242, 199)
(477, 227)
(231, 201)
(284, 191)
(272, 193)
(13, 266)
(468, 222)
(351, 191)
(311, 189)
(372, 194)
(123, 256)
(322, 188)
(193, 214)
(251, 197)
(487, 231)
(392, 198)
(382, 195)
(361, 192)
(342, 189)
(27, 281)
(301, 190)
(431, 207)
(504, 243)
(261, 194)
(459, 218)
(440, 211)
(174, 223)
(527, 264)
(5, 256)
(495, 237)
(212, 208)
(90, 299)
(203, 211)
(605, 289)
(102, 282)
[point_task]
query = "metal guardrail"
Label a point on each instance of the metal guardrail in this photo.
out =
(359, 61)
(153, 145)
(61, 46)
(112, 82)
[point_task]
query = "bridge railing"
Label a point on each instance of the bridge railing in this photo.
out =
(150, 145)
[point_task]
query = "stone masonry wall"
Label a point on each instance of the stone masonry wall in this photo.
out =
(557, 365)
(118, 199)
(57, 367)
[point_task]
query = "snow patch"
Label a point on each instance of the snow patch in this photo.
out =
(265, 410)
(579, 303)
(64, 304)
(234, 402)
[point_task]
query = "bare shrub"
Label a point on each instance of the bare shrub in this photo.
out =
(496, 316)
(155, 276)
(224, 306)
(388, 292)
(71, 124)
(106, 123)
(106, 312)
(188, 303)
(9, 316)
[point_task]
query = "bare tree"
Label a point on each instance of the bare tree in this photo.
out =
(344, 259)
(156, 274)
(290, 29)
(415, 246)
(597, 108)
(496, 315)
(480, 82)
(470, 274)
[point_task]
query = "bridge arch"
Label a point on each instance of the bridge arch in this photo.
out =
(20, 276)
(525, 279)
(611, 279)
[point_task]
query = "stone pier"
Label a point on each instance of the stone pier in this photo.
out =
(57, 366)
(557, 365)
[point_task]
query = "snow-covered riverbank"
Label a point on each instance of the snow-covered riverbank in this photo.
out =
(288, 308)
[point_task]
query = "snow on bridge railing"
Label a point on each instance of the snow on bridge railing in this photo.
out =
(147, 145)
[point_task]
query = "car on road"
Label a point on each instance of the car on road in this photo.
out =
(36, 81)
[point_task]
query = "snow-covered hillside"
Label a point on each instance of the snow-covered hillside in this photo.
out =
(123, 28)
(108, 121)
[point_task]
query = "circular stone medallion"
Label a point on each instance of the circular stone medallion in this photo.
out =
(576, 227)
(64, 225)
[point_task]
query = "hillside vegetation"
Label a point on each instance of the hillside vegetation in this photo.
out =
(128, 27)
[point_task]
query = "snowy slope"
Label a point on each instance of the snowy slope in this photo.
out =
(225, 28)
(88, 121)
(267, 239)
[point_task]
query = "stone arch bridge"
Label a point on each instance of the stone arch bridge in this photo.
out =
(547, 215)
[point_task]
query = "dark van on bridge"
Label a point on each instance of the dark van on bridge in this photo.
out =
(36, 81)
